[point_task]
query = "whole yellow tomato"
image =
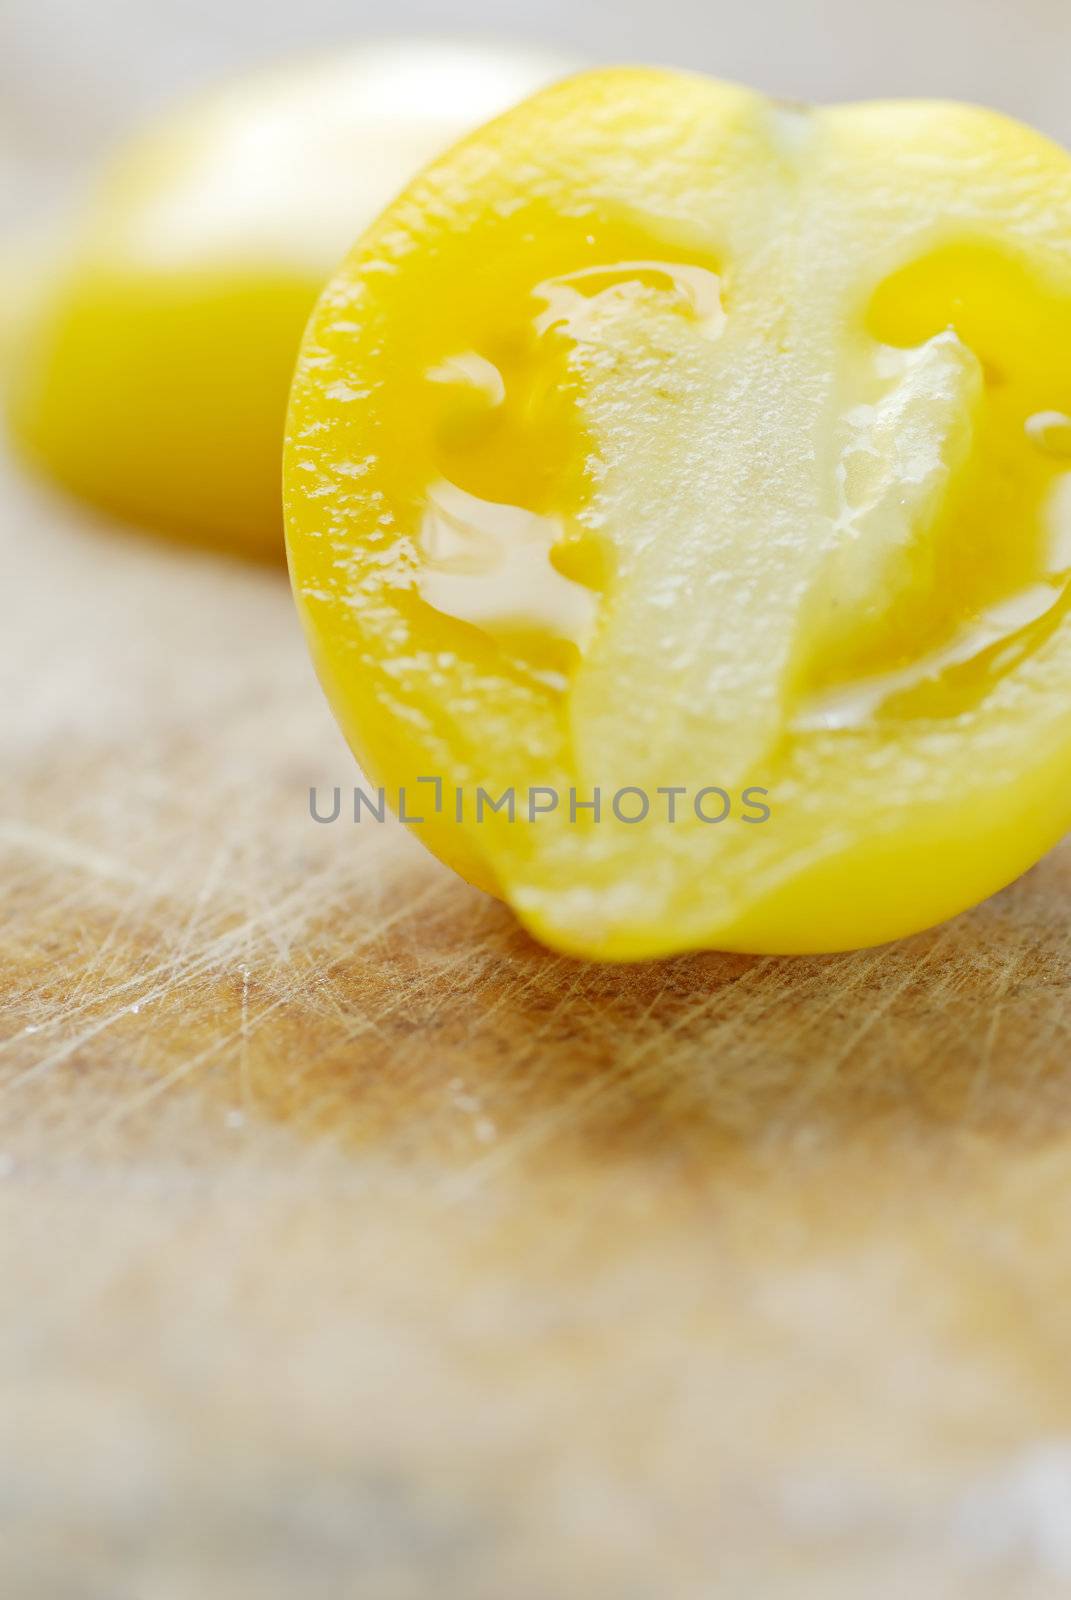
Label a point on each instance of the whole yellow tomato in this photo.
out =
(151, 373)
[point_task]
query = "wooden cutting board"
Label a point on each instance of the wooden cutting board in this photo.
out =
(352, 1244)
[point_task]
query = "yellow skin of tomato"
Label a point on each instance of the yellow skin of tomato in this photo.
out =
(150, 370)
(661, 435)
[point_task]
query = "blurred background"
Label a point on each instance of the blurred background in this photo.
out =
(74, 77)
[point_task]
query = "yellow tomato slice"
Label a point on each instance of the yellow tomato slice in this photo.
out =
(715, 455)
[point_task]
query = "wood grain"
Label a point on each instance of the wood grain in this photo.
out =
(352, 1244)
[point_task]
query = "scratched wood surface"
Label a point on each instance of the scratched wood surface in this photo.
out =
(352, 1244)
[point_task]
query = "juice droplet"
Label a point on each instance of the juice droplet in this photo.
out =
(1051, 432)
